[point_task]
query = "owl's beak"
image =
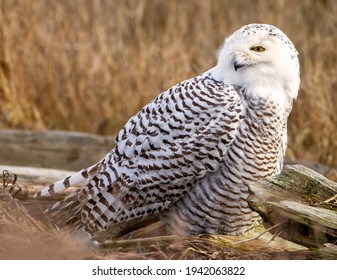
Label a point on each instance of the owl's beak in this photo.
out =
(237, 65)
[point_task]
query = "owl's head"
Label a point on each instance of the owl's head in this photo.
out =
(259, 57)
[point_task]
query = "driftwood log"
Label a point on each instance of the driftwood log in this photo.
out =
(298, 208)
(52, 149)
(303, 201)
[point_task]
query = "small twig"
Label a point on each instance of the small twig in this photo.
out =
(273, 237)
(331, 199)
(256, 237)
(148, 241)
(8, 183)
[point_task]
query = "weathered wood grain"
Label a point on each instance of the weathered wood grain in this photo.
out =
(303, 201)
(52, 149)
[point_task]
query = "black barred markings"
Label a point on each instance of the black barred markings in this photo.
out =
(253, 154)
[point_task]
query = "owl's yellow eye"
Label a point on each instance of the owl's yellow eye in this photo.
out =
(258, 49)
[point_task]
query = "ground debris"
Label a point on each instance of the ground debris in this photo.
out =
(295, 213)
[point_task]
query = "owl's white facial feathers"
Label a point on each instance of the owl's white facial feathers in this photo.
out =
(274, 71)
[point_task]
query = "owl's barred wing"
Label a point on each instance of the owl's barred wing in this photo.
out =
(172, 142)
(167, 155)
(176, 139)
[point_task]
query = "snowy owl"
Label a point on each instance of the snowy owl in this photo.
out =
(189, 155)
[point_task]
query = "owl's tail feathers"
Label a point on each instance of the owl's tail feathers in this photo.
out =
(75, 212)
(78, 178)
(66, 214)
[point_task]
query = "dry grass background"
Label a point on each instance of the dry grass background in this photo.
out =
(90, 65)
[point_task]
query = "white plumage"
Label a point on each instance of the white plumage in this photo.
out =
(190, 154)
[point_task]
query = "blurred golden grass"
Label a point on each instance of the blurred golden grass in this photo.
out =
(23, 237)
(90, 65)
